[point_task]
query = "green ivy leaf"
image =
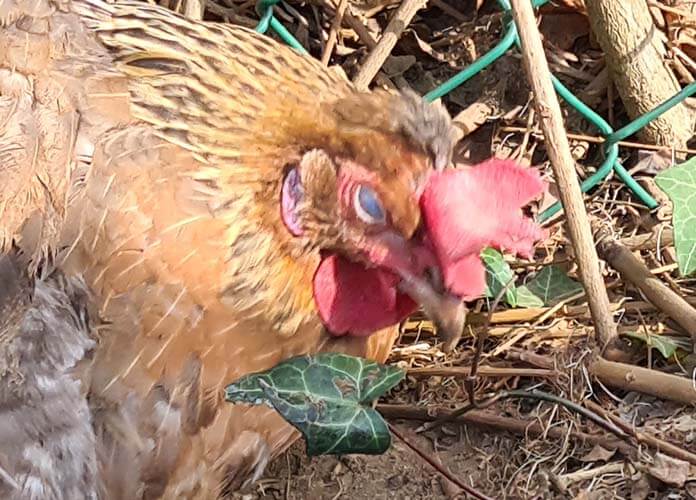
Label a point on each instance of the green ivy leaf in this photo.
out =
(548, 287)
(498, 275)
(679, 183)
(327, 397)
(667, 345)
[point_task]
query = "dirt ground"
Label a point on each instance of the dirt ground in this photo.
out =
(484, 459)
(398, 474)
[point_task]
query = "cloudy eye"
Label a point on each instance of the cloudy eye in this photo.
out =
(368, 206)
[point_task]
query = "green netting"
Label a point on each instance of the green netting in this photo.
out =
(508, 42)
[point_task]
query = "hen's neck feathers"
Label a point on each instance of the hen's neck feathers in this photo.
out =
(246, 107)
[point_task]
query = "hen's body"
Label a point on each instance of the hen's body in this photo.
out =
(145, 160)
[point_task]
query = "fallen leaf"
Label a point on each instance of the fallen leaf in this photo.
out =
(681, 22)
(640, 489)
(411, 40)
(691, 489)
(550, 197)
(450, 489)
(398, 65)
(564, 29)
(671, 471)
(598, 454)
(684, 423)
(652, 162)
(423, 81)
(472, 118)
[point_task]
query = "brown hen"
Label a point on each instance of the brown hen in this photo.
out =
(179, 184)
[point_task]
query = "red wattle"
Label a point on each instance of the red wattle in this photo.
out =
(354, 300)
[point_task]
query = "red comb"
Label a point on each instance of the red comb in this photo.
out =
(467, 210)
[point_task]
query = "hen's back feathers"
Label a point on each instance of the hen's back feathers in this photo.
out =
(48, 446)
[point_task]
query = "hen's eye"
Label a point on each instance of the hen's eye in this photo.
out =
(367, 205)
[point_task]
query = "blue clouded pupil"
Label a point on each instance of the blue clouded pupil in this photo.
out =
(370, 203)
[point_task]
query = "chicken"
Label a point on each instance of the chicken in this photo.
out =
(183, 203)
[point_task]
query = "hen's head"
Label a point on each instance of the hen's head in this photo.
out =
(319, 169)
(394, 228)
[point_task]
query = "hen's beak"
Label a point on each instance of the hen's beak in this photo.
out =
(421, 279)
(446, 311)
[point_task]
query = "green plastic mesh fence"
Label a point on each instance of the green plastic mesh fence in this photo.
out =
(510, 41)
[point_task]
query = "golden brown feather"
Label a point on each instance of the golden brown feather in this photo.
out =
(146, 152)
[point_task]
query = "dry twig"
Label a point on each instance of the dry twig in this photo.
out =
(483, 371)
(585, 474)
(595, 139)
(635, 271)
(645, 380)
(642, 437)
(564, 170)
(333, 34)
(510, 424)
(401, 19)
(438, 467)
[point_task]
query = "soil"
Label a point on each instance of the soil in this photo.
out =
(398, 474)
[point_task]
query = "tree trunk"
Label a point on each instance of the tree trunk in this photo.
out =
(635, 58)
